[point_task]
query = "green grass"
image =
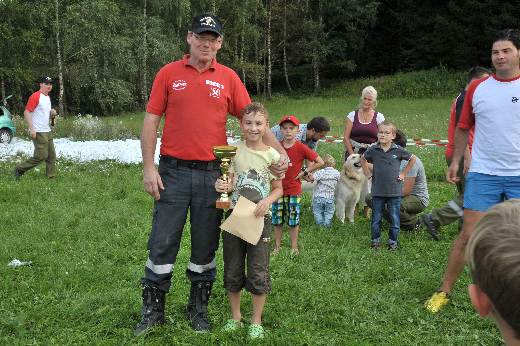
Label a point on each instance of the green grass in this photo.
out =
(422, 117)
(86, 233)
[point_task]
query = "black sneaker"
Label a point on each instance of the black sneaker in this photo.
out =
(17, 174)
(431, 226)
(374, 245)
(417, 226)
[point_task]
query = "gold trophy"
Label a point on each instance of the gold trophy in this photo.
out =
(224, 153)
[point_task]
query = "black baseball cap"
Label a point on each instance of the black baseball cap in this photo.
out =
(46, 80)
(206, 22)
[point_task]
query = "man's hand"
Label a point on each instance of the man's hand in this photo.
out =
(452, 173)
(400, 177)
(152, 182)
(279, 169)
(32, 133)
(309, 177)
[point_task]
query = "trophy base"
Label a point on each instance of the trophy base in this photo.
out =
(223, 204)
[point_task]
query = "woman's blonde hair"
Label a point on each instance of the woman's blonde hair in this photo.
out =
(493, 256)
(368, 91)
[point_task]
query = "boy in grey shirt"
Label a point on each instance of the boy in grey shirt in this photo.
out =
(387, 180)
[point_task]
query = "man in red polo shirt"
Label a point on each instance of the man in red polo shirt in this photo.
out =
(194, 95)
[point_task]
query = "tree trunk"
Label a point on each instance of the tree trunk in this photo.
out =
(61, 108)
(285, 72)
(257, 64)
(2, 87)
(316, 70)
(269, 67)
(316, 51)
(144, 84)
(242, 55)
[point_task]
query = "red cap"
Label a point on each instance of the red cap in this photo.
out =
(289, 118)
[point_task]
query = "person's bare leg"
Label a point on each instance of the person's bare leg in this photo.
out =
(456, 258)
(258, 307)
(234, 303)
(277, 238)
(293, 232)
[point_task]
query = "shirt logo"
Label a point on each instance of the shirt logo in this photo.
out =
(514, 99)
(394, 156)
(215, 92)
(179, 84)
(215, 88)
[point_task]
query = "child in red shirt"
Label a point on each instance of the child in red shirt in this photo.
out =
(287, 208)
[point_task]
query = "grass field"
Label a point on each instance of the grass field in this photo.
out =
(86, 233)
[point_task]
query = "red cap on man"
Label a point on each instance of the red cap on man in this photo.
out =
(289, 118)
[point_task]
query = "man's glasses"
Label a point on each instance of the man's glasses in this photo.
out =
(208, 39)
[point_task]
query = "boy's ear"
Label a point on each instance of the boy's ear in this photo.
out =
(480, 300)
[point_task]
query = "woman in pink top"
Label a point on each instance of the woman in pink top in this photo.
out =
(361, 132)
(361, 125)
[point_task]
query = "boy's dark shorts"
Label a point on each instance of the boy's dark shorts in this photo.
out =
(257, 281)
(286, 209)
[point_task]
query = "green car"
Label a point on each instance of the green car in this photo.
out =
(7, 128)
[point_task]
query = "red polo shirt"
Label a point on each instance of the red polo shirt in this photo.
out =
(297, 153)
(195, 105)
(450, 147)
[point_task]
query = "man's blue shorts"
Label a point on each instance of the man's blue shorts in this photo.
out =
(482, 191)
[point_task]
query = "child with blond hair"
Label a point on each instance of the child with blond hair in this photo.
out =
(385, 157)
(250, 177)
(493, 257)
(323, 204)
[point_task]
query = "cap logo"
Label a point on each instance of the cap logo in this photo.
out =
(208, 21)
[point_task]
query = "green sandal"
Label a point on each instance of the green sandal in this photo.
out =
(256, 331)
(232, 325)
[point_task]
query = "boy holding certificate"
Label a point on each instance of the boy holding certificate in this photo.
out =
(250, 178)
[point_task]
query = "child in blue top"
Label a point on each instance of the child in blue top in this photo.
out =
(326, 179)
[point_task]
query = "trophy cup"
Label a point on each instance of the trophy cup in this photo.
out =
(224, 153)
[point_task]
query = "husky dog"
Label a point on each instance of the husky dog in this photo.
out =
(351, 185)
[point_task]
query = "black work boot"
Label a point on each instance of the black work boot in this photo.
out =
(431, 225)
(197, 309)
(153, 309)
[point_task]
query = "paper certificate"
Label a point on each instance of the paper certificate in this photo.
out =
(243, 223)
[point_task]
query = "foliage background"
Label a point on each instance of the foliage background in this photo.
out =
(110, 50)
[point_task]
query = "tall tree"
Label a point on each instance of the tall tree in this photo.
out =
(284, 43)
(269, 10)
(144, 68)
(58, 58)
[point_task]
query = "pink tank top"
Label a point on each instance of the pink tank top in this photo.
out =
(364, 133)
